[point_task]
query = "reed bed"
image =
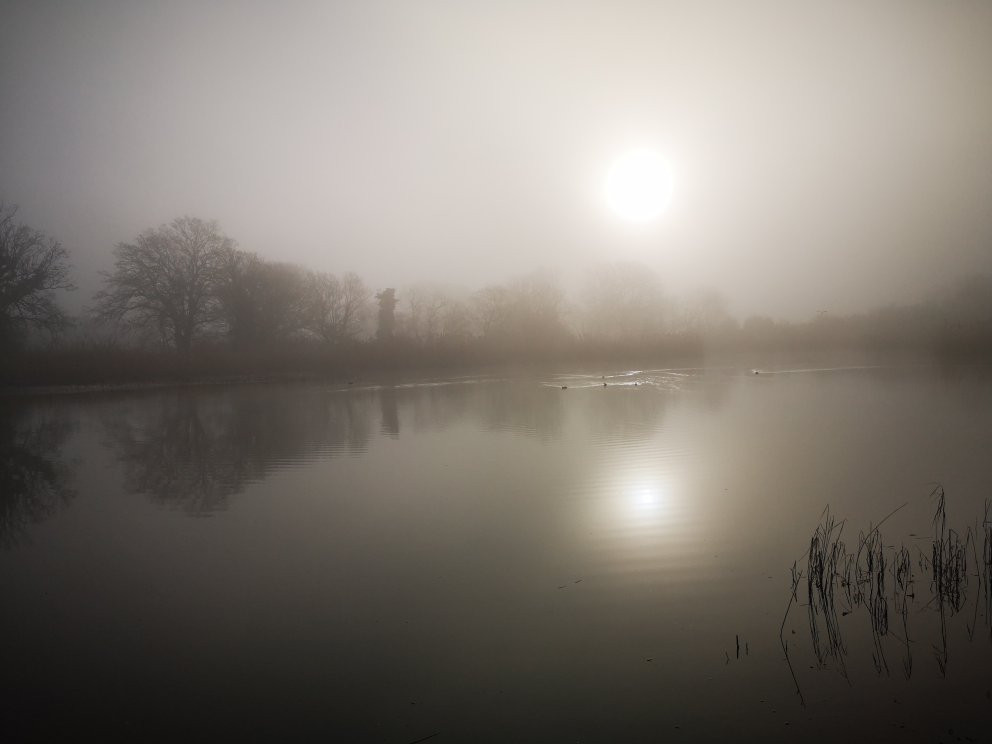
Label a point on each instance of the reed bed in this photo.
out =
(877, 581)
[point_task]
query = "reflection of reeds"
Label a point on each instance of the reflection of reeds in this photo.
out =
(881, 580)
(949, 560)
(870, 566)
(949, 571)
(987, 563)
(796, 577)
(826, 553)
(903, 592)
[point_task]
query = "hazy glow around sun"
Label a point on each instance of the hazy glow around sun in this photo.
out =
(639, 185)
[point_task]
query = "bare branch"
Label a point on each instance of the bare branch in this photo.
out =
(33, 267)
(169, 279)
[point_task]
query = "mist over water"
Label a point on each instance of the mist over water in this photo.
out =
(522, 371)
(485, 558)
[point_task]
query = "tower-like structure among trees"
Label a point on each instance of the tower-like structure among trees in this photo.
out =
(387, 314)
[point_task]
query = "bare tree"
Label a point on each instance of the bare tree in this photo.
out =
(260, 301)
(336, 309)
(32, 268)
(623, 301)
(427, 305)
(528, 312)
(456, 321)
(168, 279)
(491, 309)
(537, 306)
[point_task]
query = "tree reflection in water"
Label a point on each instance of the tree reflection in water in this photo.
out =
(34, 479)
(193, 450)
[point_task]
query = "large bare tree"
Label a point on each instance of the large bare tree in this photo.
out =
(261, 302)
(168, 280)
(32, 268)
(336, 309)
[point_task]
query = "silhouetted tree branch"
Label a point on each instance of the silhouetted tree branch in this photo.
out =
(168, 280)
(32, 268)
(336, 309)
(261, 302)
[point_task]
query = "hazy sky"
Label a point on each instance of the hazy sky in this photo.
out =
(826, 155)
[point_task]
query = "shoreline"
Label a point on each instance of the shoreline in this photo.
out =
(770, 364)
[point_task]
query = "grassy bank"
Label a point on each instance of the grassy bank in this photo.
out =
(118, 366)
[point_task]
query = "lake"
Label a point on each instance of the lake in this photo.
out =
(500, 559)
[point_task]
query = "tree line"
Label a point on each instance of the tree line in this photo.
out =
(187, 284)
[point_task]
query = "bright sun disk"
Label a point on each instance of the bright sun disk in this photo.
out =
(639, 185)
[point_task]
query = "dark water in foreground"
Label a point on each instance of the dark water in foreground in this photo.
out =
(498, 560)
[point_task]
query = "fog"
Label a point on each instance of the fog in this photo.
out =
(518, 370)
(825, 157)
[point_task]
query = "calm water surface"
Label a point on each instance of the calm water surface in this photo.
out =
(493, 559)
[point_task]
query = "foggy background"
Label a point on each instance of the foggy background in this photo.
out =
(826, 156)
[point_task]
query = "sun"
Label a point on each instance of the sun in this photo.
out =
(639, 185)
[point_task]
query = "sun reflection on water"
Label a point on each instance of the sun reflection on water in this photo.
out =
(638, 506)
(644, 504)
(636, 528)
